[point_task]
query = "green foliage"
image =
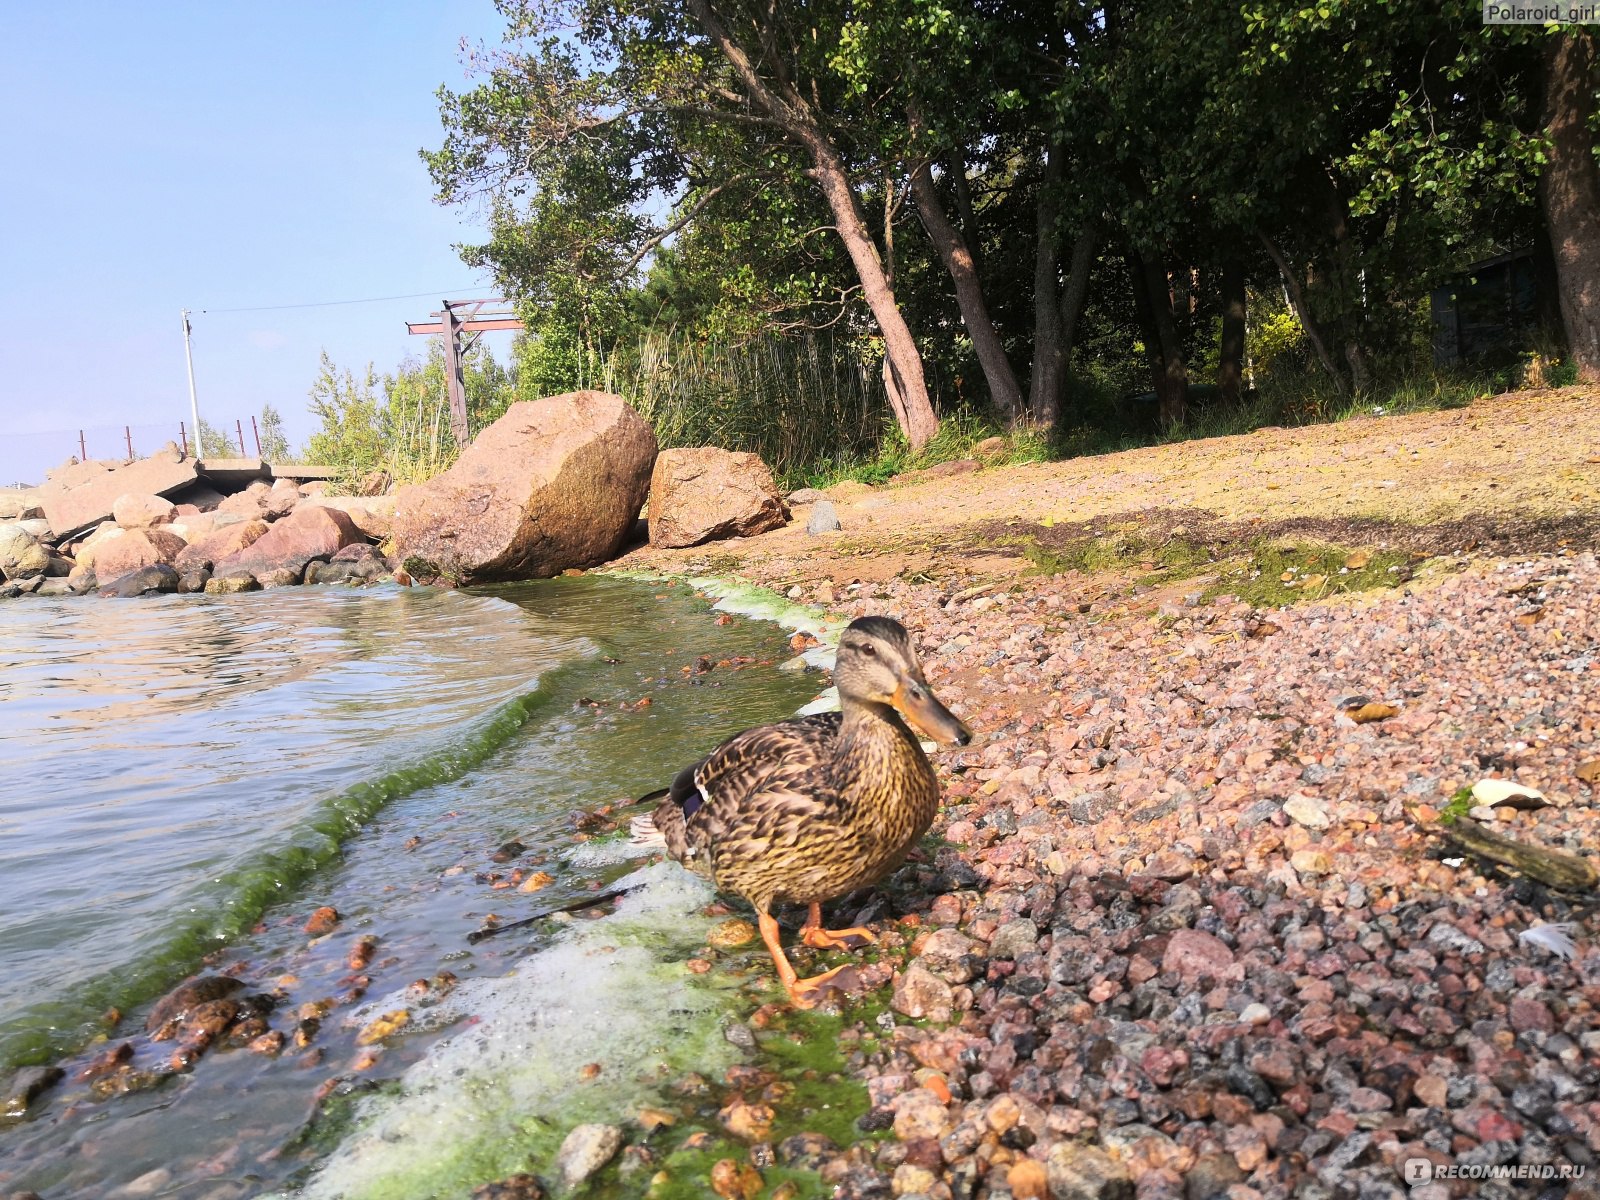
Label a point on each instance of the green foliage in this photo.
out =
(216, 443)
(1459, 806)
(274, 445)
(799, 402)
(401, 422)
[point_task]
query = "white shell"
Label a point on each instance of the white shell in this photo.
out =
(1498, 791)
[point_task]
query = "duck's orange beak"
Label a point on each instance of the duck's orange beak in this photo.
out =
(916, 702)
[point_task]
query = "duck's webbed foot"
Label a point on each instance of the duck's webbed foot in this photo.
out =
(803, 993)
(808, 993)
(813, 934)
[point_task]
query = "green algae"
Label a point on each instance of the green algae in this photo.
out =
(1263, 572)
(238, 898)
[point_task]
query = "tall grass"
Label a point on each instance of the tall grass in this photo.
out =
(801, 403)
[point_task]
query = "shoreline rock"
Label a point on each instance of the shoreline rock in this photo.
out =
(552, 485)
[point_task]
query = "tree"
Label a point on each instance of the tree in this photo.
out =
(578, 144)
(1570, 188)
(216, 443)
(274, 445)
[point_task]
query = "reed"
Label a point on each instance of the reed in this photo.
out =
(801, 402)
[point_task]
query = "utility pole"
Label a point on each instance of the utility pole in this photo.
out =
(453, 325)
(194, 405)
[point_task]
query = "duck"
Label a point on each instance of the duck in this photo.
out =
(812, 808)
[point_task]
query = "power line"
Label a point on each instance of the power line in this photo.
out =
(335, 303)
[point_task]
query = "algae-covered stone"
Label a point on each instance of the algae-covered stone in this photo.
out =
(231, 584)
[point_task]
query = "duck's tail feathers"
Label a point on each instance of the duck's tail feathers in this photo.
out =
(655, 797)
(642, 831)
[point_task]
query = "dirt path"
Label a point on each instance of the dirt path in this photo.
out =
(1510, 474)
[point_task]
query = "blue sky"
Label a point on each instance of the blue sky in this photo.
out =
(162, 156)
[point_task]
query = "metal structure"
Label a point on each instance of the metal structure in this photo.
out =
(194, 404)
(461, 322)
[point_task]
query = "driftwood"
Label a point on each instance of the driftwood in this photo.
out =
(1554, 868)
(489, 931)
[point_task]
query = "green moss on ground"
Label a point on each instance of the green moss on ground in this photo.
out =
(1263, 572)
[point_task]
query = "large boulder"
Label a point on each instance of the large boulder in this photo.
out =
(141, 510)
(146, 581)
(90, 495)
(373, 516)
(291, 543)
(223, 543)
(126, 550)
(250, 503)
(15, 543)
(553, 484)
(282, 496)
(704, 494)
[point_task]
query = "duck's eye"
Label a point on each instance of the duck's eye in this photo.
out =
(869, 649)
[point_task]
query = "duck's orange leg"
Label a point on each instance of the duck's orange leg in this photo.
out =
(813, 934)
(803, 993)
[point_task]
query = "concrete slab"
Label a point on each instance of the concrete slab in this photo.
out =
(72, 509)
(232, 474)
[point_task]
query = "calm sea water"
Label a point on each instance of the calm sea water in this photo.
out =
(185, 775)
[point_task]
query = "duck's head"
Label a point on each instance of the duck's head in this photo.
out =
(878, 665)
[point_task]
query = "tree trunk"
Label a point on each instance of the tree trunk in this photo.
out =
(1148, 333)
(1230, 367)
(1570, 191)
(956, 165)
(1347, 287)
(952, 247)
(1171, 372)
(1297, 301)
(790, 110)
(1049, 357)
(1076, 291)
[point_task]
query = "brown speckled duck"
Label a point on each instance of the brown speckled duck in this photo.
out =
(814, 807)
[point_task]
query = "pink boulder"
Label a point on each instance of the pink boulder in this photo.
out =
(219, 544)
(704, 494)
(252, 502)
(142, 510)
(135, 548)
(291, 543)
(553, 484)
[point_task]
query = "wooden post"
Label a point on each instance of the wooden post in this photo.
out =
(128, 436)
(239, 429)
(183, 436)
(255, 430)
(454, 381)
(461, 322)
(83, 451)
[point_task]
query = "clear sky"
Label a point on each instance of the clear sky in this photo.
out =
(219, 155)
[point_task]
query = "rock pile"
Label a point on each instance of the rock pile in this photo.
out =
(264, 536)
(1187, 936)
(554, 484)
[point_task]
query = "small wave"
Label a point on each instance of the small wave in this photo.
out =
(134, 958)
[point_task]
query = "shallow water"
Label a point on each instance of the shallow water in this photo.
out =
(191, 763)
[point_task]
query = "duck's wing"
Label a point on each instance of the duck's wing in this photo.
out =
(760, 781)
